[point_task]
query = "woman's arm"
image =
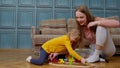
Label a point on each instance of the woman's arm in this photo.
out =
(105, 22)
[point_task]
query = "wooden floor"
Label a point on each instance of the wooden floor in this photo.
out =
(15, 58)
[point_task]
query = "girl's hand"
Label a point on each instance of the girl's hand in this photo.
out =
(52, 56)
(83, 61)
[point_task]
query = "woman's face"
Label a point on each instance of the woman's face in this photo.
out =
(81, 18)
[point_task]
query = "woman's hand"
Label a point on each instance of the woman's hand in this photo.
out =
(52, 56)
(92, 24)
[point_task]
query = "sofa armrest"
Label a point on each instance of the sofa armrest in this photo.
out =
(33, 31)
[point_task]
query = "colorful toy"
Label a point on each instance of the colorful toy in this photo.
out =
(55, 60)
(71, 60)
(66, 60)
(61, 61)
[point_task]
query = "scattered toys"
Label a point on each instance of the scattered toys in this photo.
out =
(68, 59)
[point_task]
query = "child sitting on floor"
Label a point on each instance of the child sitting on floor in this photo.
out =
(59, 45)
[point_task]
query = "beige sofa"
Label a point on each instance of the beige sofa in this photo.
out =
(48, 29)
(56, 27)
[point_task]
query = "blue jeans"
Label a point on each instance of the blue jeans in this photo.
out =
(42, 58)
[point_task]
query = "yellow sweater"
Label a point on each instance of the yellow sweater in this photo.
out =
(60, 44)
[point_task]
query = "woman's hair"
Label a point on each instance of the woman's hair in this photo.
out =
(86, 11)
(89, 18)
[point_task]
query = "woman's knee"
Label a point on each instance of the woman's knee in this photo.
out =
(101, 29)
(101, 35)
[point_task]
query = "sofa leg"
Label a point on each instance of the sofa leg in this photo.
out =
(33, 46)
(118, 50)
(36, 49)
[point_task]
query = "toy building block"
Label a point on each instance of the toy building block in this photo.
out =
(66, 60)
(61, 61)
(54, 60)
(71, 60)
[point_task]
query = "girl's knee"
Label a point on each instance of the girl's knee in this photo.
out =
(40, 63)
(37, 62)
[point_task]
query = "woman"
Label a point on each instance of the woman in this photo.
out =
(94, 29)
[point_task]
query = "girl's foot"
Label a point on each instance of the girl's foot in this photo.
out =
(29, 58)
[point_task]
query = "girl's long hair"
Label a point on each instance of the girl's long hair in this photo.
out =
(77, 34)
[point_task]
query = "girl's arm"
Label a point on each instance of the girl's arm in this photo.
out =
(53, 55)
(72, 52)
(105, 22)
(63, 52)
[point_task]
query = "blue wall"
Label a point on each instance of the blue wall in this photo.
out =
(17, 16)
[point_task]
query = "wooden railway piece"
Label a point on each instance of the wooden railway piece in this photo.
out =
(74, 65)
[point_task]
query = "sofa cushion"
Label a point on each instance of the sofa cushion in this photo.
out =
(53, 23)
(113, 17)
(116, 39)
(40, 39)
(71, 23)
(54, 31)
(115, 31)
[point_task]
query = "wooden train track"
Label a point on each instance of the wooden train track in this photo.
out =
(74, 65)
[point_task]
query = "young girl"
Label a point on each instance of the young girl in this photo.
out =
(58, 45)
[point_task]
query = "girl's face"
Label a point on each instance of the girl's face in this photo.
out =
(81, 18)
(73, 38)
